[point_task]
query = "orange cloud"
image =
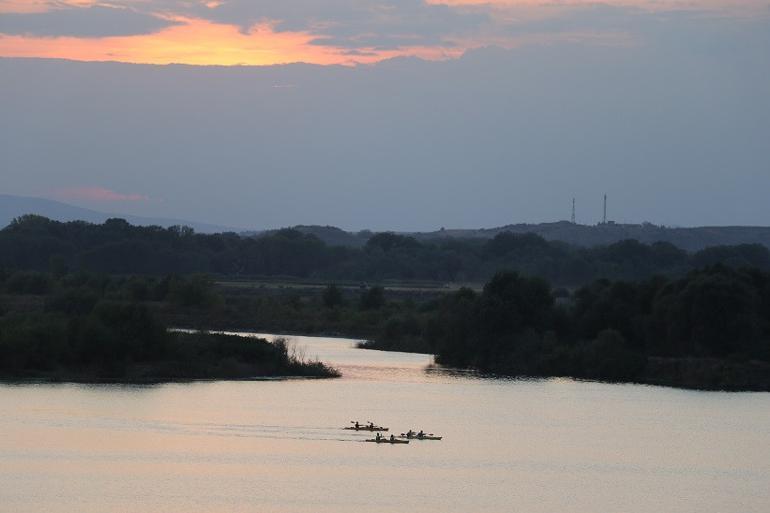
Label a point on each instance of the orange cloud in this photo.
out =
(96, 194)
(198, 41)
(23, 6)
(202, 42)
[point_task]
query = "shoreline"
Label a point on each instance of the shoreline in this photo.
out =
(279, 333)
(680, 373)
(189, 357)
(169, 381)
(667, 372)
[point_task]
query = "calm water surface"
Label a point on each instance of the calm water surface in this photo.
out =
(276, 446)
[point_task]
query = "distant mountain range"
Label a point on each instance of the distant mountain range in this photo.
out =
(690, 239)
(15, 206)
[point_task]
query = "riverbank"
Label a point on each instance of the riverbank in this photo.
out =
(92, 328)
(709, 330)
(708, 374)
(75, 336)
(687, 373)
(187, 357)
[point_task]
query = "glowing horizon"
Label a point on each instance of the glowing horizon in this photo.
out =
(194, 41)
(206, 33)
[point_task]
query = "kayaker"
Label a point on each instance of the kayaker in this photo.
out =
(371, 425)
(378, 437)
(392, 438)
(357, 425)
(420, 434)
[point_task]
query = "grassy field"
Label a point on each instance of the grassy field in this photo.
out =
(393, 286)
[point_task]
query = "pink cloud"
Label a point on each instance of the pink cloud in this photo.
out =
(96, 194)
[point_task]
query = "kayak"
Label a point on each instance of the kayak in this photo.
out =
(417, 437)
(366, 428)
(386, 440)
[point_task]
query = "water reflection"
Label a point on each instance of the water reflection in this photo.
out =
(525, 445)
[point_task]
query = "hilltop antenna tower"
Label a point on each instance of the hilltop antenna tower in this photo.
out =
(573, 211)
(604, 219)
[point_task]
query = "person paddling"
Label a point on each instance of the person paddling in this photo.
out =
(358, 426)
(420, 434)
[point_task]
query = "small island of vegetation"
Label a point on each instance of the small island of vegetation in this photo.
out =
(70, 332)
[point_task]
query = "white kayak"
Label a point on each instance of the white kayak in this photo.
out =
(415, 436)
(386, 440)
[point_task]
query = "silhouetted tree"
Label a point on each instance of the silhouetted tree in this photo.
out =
(332, 296)
(372, 299)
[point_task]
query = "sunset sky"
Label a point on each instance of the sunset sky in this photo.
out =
(260, 32)
(406, 114)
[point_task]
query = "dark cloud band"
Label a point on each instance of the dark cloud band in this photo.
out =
(88, 22)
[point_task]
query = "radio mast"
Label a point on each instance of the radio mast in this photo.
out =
(604, 219)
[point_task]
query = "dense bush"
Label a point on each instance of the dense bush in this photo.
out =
(372, 298)
(86, 331)
(28, 283)
(609, 331)
(107, 338)
(332, 296)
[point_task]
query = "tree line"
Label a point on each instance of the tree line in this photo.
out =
(709, 328)
(710, 323)
(116, 247)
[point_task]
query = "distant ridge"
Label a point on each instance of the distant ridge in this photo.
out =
(331, 235)
(690, 239)
(15, 206)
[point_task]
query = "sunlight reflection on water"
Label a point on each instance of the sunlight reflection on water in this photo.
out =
(539, 445)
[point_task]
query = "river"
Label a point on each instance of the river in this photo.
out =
(529, 446)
